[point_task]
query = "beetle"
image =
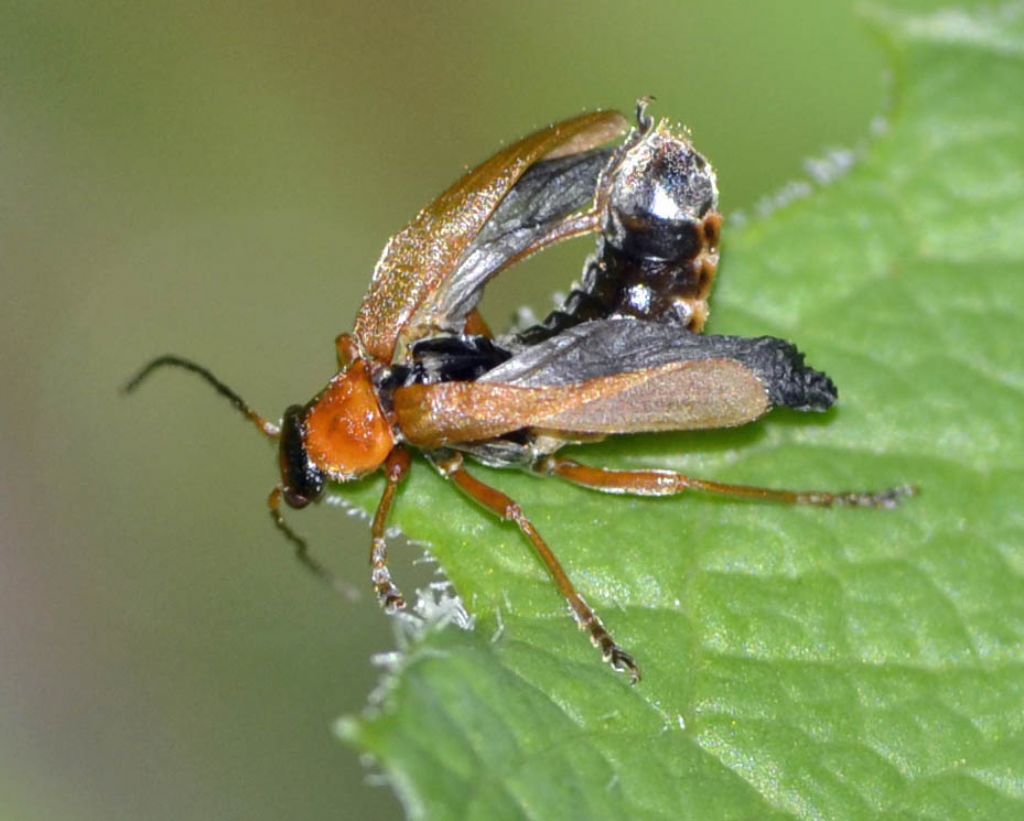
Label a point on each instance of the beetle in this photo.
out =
(622, 354)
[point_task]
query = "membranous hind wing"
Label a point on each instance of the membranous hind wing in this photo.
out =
(549, 204)
(412, 295)
(657, 253)
(617, 375)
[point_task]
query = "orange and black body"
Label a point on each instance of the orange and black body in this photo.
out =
(623, 354)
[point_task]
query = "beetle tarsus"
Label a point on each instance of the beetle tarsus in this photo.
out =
(622, 662)
(888, 499)
(611, 653)
(388, 594)
(390, 597)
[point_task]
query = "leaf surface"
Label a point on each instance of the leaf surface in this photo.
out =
(807, 662)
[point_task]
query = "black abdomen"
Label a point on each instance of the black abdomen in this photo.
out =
(658, 251)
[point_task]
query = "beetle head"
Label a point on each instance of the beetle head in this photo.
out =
(661, 192)
(341, 435)
(302, 480)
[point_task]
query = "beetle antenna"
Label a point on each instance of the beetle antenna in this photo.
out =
(266, 427)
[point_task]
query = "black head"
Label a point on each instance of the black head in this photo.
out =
(661, 192)
(301, 481)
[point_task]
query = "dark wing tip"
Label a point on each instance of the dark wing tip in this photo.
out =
(790, 383)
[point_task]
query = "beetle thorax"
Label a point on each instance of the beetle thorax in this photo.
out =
(347, 434)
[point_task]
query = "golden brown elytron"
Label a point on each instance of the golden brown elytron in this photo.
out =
(622, 354)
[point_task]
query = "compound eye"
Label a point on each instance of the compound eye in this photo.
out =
(301, 481)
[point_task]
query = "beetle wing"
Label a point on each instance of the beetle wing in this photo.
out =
(544, 207)
(417, 262)
(617, 376)
(684, 396)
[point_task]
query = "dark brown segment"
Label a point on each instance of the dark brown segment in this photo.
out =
(645, 287)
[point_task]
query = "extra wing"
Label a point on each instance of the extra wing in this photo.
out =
(541, 209)
(617, 376)
(412, 293)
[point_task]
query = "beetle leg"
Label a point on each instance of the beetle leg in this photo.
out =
(668, 483)
(302, 549)
(504, 507)
(395, 469)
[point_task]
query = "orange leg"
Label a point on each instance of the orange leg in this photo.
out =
(668, 483)
(396, 469)
(302, 549)
(500, 504)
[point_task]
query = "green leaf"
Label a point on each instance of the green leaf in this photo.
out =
(819, 663)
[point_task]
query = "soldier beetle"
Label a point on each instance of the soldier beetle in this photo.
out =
(623, 353)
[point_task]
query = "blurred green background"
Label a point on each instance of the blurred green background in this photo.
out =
(217, 179)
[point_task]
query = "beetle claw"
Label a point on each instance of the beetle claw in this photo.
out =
(622, 662)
